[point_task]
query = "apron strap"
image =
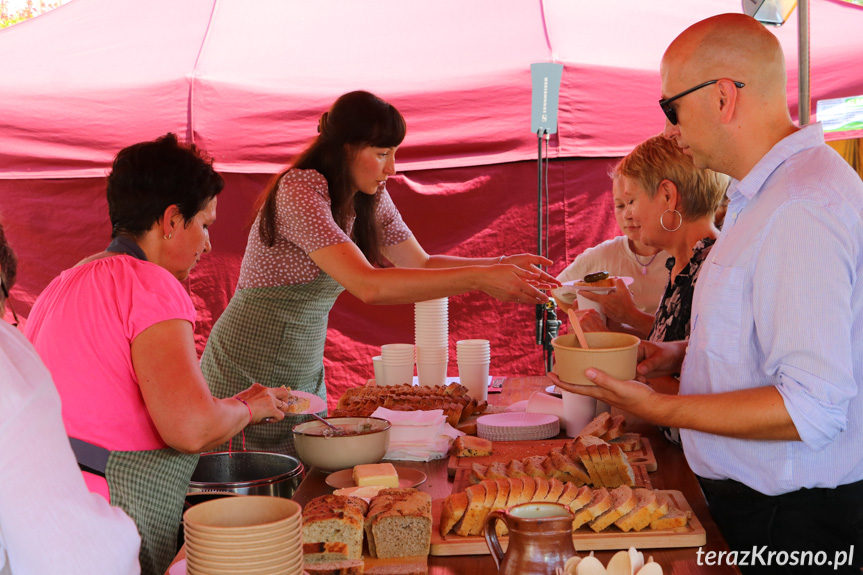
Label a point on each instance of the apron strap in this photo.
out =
(91, 458)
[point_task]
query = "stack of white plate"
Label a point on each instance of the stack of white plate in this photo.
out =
(431, 332)
(248, 535)
(517, 426)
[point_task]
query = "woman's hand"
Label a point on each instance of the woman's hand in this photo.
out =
(590, 320)
(510, 283)
(531, 262)
(265, 402)
(617, 304)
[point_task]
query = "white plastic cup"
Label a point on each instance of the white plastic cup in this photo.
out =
(379, 370)
(578, 411)
(432, 354)
(431, 374)
(398, 373)
(584, 303)
(541, 402)
(474, 376)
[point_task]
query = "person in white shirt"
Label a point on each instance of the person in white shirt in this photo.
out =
(49, 521)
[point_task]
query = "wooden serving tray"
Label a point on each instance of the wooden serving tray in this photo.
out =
(584, 539)
(506, 451)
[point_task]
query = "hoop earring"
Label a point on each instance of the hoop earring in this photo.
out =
(679, 223)
(169, 236)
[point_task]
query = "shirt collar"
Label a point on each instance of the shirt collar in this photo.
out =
(806, 137)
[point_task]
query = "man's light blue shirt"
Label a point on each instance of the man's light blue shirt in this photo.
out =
(781, 303)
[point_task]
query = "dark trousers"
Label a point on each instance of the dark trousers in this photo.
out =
(810, 526)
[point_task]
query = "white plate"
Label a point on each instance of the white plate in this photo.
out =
(570, 287)
(316, 404)
(407, 478)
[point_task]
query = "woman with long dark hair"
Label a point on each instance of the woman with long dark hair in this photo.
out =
(325, 224)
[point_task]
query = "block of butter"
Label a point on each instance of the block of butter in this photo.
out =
(383, 474)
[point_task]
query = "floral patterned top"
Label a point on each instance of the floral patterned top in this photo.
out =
(675, 309)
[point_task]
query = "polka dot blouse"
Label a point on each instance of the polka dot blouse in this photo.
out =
(304, 223)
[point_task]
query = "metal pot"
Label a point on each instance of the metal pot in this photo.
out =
(247, 473)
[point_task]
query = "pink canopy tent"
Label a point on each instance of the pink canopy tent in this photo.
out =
(247, 82)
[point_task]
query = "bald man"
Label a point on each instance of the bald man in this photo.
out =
(770, 404)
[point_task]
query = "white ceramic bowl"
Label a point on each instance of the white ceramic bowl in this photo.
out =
(332, 453)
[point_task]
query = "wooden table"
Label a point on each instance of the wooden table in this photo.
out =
(672, 473)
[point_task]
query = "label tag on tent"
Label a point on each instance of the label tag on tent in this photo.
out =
(545, 78)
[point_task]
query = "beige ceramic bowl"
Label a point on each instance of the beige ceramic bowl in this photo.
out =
(244, 516)
(614, 353)
(367, 442)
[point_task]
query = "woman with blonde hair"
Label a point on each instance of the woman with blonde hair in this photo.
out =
(671, 203)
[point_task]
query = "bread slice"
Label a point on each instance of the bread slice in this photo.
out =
(516, 492)
(569, 468)
(335, 519)
(570, 491)
(515, 469)
(587, 461)
(624, 500)
(609, 466)
(673, 519)
(555, 489)
(533, 465)
(452, 510)
(403, 526)
(528, 488)
(641, 516)
(351, 567)
(540, 488)
(600, 502)
(496, 470)
(598, 427)
(477, 473)
(621, 461)
(617, 429)
(475, 511)
(320, 552)
(628, 441)
(471, 446)
(502, 493)
(581, 499)
(663, 502)
(487, 505)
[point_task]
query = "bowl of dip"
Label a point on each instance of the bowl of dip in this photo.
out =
(359, 440)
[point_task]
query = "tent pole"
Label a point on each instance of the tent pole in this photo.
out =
(803, 104)
(539, 307)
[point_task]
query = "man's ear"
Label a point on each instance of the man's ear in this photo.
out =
(727, 100)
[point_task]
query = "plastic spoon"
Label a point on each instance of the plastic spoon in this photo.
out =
(336, 430)
(576, 327)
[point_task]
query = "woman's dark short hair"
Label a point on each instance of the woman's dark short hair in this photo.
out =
(148, 177)
(8, 261)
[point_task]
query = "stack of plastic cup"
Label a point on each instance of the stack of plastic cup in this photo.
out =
(474, 356)
(398, 363)
(431, 331)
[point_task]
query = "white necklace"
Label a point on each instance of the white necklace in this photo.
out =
(644, 265)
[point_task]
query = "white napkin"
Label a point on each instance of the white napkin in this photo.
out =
(418, 435)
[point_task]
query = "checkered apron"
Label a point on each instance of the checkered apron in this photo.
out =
(273, 336)
(151, 486)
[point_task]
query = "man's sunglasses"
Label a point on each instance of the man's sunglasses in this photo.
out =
(671, 112)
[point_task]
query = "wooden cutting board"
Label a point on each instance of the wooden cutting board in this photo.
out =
(506, 451)
(584, 539)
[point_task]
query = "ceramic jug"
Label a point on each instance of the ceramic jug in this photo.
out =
(540, 538)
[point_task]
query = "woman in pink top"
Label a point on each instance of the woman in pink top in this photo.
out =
(116, 333)
(324, 225)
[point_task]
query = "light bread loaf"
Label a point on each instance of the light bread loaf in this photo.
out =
(471, 446)
(399, 523)
(335, 519)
